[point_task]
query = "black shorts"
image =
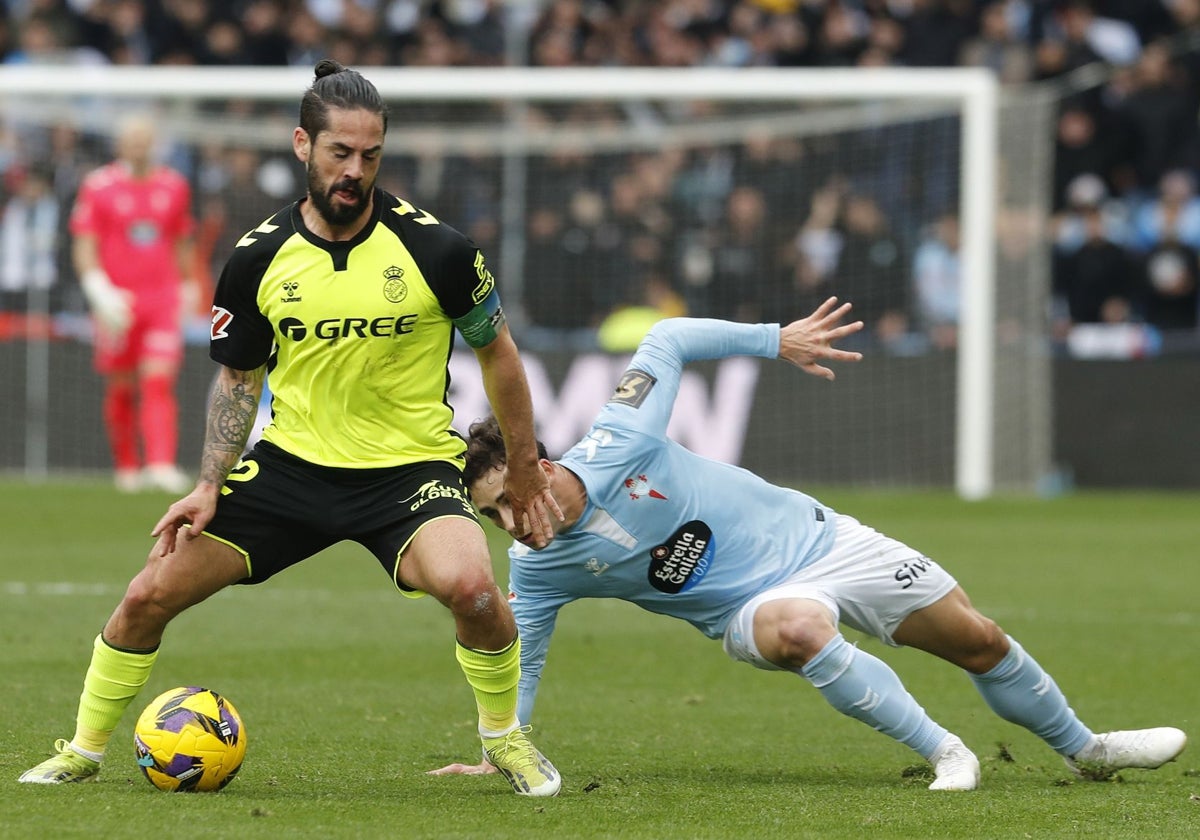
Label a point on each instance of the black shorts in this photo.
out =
(277, 509)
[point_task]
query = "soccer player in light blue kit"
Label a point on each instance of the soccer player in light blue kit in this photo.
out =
(768, 570)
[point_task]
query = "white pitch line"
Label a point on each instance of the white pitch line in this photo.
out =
(70, 589)
(59, 588)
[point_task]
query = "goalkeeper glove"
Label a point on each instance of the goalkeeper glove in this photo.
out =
(111, 307)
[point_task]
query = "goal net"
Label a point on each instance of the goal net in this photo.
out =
(601, 197)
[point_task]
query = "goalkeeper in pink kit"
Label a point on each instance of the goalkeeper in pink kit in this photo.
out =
(131, 230)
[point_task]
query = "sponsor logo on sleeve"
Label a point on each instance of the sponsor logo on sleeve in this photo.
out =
(221, 319)
(486, 281)
(683, 560)
(633, 388)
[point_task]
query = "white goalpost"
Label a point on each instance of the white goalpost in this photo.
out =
(782, 102)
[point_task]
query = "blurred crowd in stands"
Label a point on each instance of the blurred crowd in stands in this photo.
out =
(757, 230)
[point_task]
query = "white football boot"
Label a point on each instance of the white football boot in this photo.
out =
(956, 767)
(1142, 748)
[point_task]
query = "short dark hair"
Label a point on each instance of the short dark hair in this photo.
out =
(336, 86)
(485, 449)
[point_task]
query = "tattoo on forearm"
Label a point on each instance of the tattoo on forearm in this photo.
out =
(232, 417)
(231, 413)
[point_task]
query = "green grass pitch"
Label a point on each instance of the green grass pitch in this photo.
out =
(349, 692)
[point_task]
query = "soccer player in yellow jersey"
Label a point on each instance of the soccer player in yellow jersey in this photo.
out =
(350, 297)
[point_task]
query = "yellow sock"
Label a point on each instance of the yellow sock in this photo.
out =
(113, 679)
(493, 676)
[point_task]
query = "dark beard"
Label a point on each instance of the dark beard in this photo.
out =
(341, 215)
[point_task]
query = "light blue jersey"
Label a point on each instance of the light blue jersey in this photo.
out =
(664, 528)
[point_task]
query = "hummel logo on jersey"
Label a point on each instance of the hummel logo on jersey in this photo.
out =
(289, 292)
(221, 319)
(640, 486)
(596, 567)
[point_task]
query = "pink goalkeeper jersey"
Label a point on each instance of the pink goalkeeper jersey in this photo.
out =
(137, 223)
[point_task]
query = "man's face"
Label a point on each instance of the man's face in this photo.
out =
(487, 492)
(135, 145)
(342, 164)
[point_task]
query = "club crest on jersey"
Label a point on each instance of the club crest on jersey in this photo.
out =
(144, 232)
(683, 560)
(221, 319)
(640, 486)
(394, 288)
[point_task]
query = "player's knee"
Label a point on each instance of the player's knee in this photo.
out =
(474, 595)
(143, 613)
(155, 595)
(143, 598)
(983, 645)
(801, 634)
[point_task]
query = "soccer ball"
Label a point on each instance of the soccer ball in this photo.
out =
(189, 739)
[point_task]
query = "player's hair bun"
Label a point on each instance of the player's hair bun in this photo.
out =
(327, 67)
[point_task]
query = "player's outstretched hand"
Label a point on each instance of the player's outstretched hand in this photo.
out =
(484, 769)
(528, 492)
(808, 341)
(196, 509)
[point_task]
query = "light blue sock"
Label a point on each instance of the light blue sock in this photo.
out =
(1019, 691)
(865, 688)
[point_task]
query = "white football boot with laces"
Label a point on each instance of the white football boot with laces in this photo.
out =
(1142, 748)
(956, 767)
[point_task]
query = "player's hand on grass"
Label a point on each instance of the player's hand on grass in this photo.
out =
(808, 341)
(195, 509)
(527, 489)
(456, 769)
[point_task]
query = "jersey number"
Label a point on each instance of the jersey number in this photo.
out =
(244, 471)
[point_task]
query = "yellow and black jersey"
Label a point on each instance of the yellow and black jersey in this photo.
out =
(356, 335)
